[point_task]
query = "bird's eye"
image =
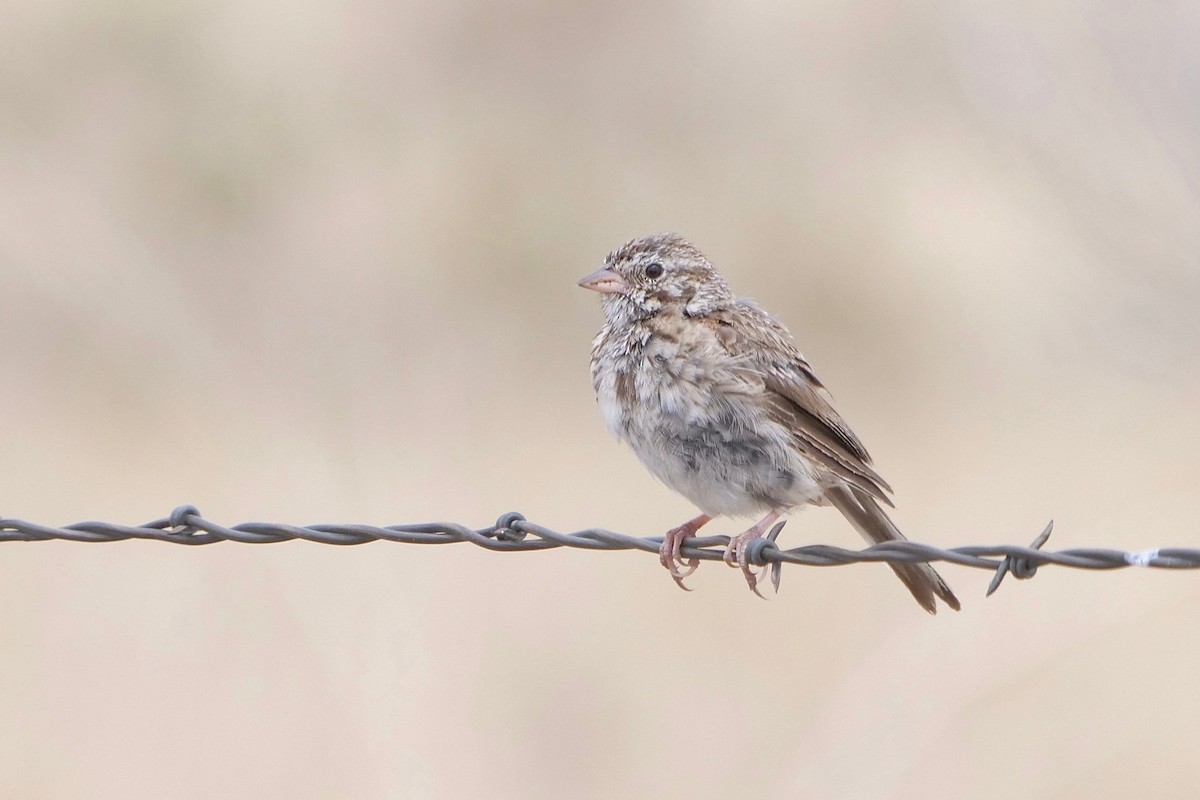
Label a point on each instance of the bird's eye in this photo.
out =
(654, 270)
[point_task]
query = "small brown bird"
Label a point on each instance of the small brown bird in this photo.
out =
(717, 402)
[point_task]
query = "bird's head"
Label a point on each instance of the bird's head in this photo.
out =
(663, 272)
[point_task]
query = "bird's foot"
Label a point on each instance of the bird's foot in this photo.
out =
(670, 554)
(736, 551)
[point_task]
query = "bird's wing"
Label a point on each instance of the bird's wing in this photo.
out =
(793, 396)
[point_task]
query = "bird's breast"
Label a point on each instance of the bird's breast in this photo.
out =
(647, 378)
(695, 418)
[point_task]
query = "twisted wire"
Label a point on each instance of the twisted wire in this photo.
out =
(512, 532)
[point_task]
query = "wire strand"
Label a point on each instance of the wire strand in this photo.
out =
(512, 532)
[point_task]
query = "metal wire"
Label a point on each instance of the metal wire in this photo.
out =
(513, 533)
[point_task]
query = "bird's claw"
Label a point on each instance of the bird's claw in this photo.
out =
(681, 569)
(736, 556)
(670, 554)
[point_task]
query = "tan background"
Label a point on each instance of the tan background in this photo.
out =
(316, 262)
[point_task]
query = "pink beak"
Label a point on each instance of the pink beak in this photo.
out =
(604, 281)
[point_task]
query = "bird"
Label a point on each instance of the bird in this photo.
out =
(715, 399)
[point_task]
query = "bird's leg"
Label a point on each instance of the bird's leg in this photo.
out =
(670, 554)
(735, 552)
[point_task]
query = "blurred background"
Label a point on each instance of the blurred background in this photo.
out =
(315, 262)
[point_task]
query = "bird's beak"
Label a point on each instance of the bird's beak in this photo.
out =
(605, 281)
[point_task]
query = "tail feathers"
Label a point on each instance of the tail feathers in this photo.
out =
(875, 526)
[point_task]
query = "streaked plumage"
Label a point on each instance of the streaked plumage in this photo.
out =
(713, 396)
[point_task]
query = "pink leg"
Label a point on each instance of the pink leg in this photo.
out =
(670, 554)
(735, 553)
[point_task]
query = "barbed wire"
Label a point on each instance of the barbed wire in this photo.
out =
(512, 532)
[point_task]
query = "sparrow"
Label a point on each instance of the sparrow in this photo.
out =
(717, 402)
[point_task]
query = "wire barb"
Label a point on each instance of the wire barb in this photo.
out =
(1021, 567)
(512, 532)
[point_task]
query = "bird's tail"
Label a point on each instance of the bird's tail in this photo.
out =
(875, 526)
